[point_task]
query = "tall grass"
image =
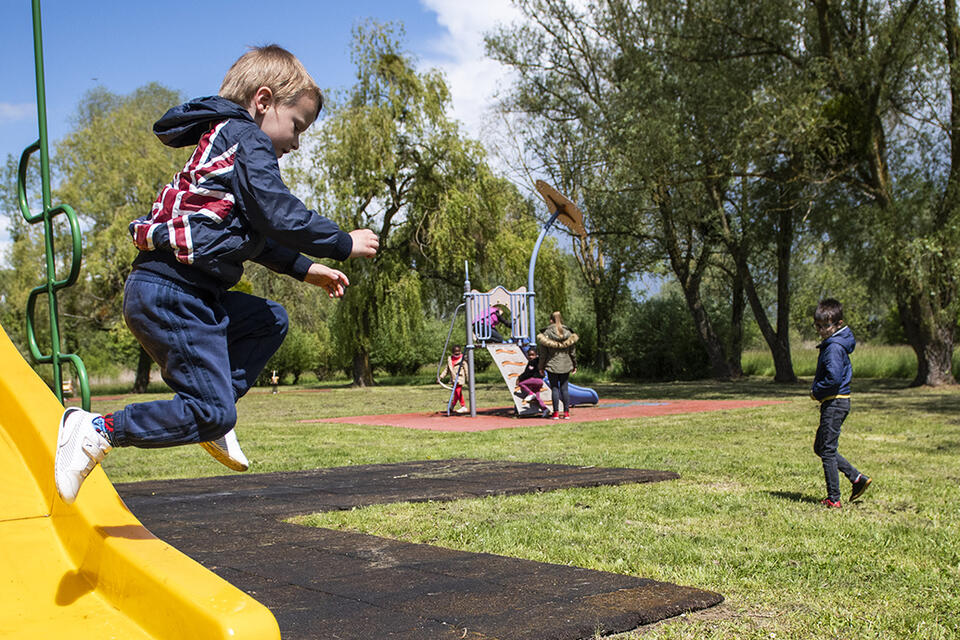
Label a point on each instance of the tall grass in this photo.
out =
(869, 361)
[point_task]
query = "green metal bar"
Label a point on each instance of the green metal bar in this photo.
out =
(46, 215)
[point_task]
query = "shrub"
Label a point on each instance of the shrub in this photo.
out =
(658, 341)
(299, 352)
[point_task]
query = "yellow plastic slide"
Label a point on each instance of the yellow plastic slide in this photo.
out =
(90, 569)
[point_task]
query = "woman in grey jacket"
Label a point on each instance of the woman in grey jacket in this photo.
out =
(558, 358)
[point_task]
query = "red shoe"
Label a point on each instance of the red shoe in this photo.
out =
(827, 502)
(555, 416)
(566, 415)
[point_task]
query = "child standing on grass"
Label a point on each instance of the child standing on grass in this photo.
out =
(229, 204)
(831, 387)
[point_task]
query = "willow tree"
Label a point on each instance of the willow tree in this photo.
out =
(389, 158)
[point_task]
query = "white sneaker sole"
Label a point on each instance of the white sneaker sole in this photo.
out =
(222, 453)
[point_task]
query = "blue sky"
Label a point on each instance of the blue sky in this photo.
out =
(122, 45)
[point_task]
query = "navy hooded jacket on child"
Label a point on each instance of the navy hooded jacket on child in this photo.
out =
(834, 371)
(228, 204)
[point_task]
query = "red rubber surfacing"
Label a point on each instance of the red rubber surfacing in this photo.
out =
(503, 417)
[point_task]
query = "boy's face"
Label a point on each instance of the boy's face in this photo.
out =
(825, 329)
(283, 122)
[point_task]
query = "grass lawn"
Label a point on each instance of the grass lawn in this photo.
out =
(743, 519)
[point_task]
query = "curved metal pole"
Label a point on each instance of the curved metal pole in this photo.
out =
(533, 266)
(446, 344)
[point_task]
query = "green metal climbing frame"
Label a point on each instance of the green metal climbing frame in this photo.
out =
(46, 216)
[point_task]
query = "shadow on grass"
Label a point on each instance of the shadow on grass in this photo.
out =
(793, 496)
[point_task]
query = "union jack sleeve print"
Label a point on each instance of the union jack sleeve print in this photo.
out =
(194, 191)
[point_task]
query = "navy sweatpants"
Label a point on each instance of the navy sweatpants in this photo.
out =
(210, 350)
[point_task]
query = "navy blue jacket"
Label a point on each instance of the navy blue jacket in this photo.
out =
(228, 204)
(834, 370)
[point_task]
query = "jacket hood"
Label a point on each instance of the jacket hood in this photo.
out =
(184, 125)
(558, 340)
(843, 337)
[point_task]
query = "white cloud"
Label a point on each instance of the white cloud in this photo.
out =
(10, 112)
(472, 77)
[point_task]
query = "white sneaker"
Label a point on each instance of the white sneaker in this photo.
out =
(80, 447)
(462, 409)
(226, 450)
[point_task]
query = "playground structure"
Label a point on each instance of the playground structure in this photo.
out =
(89, 569)
(509, 356)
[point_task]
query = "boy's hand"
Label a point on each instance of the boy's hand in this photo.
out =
(330, 279)
(365, 243)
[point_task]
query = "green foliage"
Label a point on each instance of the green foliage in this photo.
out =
(869, 361)
(397, 346)
(658, 341)
(300, 352)
(829, 275)
(23, 262)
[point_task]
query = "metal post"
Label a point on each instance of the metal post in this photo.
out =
(46, 198)
(468, 299)
(533, 266)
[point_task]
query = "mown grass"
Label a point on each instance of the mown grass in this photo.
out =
(743, 519)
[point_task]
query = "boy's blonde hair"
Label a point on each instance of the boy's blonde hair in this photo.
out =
(273, 67)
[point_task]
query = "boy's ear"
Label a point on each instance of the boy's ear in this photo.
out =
(261, 101)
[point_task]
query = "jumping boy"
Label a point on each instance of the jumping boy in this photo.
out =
(229, 204)
(831, 387)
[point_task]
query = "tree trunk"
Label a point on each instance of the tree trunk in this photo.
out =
(719, 365)
(931, 338)
(603, 320)
(782, 359)
(737, 307)
(681, 261)
(142, 379)
(362, 373)
(777, 341)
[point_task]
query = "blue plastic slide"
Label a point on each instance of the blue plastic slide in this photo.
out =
(582, 395)
(578, 395)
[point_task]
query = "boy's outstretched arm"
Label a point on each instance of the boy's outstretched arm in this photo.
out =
(365, 243)
(333, 281)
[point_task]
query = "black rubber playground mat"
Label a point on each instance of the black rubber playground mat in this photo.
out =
(321, 583)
